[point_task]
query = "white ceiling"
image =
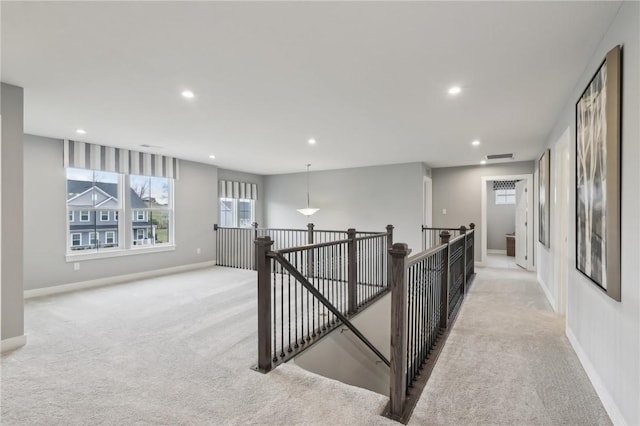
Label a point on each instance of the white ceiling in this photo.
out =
(368, 80)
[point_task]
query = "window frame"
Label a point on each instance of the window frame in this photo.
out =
(79, 234)
(80, 214)
(235, 211)
(108, 215)
(123, 218)
(505, 197)
(106, 237)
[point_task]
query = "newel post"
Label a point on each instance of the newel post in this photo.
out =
(389, 245)
(463, 231)
(473, 251)
(255, 230)
(398, 371)
(352, 273)
(263, 265)
(444, 284)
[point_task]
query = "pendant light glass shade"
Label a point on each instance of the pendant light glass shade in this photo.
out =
(308, 211)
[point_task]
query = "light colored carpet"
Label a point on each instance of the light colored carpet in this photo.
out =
(177, 350)
(508, 362)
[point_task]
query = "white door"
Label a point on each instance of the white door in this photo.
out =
(521, 224)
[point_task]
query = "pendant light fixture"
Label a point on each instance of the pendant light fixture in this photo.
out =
(308, 211)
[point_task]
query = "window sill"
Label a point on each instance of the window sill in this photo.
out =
(118, 253)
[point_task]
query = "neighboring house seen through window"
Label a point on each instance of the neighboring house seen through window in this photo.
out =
(95, 200)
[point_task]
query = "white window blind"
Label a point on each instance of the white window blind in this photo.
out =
(81, 155)
(238, 190)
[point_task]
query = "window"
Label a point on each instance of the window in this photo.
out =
(110, 238)
(96, 200)
(236, 213)
(505, 196)
(91, 195)
(151, 197)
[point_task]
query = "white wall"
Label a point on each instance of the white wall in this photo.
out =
(196, 210)
(606, 333)
(458, 190)
(366, 198)
(501, 220)
(11, 225)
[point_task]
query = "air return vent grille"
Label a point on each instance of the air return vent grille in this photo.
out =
(500, 157)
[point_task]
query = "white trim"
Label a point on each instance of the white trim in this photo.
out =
(64, 288)
(13, 343)
(104, 220)
(483, 212)
(478, 264)
(547, 293)
(88, 215)
(106, 253)
(494, 251)
(598, 385)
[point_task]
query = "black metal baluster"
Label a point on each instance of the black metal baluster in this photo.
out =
(274, 308)
(282, 314)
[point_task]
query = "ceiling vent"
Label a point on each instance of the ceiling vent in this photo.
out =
(500, 157)
(146, 145)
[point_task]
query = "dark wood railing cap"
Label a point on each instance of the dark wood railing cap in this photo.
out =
(399, 250)
(472, 225)
(463, 229)
(264, 241)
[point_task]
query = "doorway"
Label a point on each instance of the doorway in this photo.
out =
(507, 221)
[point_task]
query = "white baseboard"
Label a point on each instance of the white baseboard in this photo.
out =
(607, 400)
(492, 251)
(12, 343)
(478, 264)
(547, 293)
(64, 288)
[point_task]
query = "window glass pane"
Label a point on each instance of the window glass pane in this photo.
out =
(159, 193)
(140, 191)
(226, 212)
(245, 213)
(154, 229)
(79, 188)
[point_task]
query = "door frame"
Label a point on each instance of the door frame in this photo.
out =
(562, 214)
(530, 215)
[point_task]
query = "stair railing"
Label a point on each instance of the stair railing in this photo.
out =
(305, 292)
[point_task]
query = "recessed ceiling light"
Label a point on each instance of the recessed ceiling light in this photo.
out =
(81, 131)
(187, 94)
(312, 141)
(455, 90)
(212, 156)
(475, 143)
(483, 162)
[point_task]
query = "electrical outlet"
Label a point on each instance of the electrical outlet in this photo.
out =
(76, 266)
(444, 211)
(198, 250)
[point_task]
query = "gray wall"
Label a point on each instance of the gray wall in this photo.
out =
(501, 220)
(366, 198)
(606, 333)
(12, 211)
(458, 189)
(196, 210)
(224, 174)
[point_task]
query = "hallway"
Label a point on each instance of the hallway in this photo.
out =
(177, 350)
(508, 361)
